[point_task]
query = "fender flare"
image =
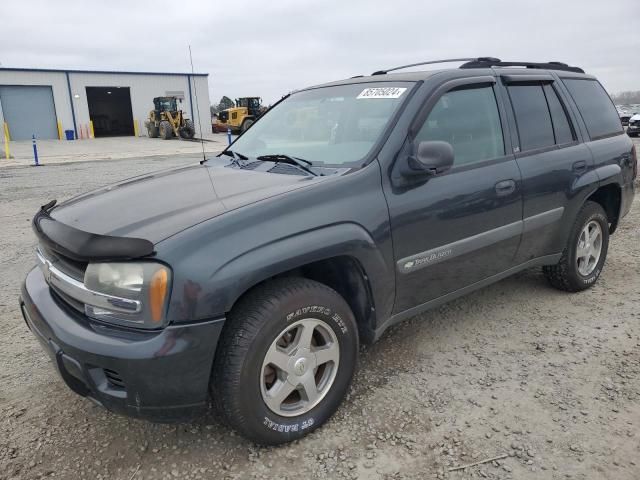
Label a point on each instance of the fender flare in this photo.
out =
(608, 174)
(231, 280)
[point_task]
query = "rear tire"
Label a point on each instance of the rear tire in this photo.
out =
(245, 125)
(586, 251)
(166, 131)
(187, 131)
(288, 335)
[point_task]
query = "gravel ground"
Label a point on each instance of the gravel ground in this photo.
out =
(551, 380)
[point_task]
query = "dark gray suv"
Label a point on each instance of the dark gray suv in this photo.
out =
(251, 278)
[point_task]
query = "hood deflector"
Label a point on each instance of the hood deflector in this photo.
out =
(84, 246)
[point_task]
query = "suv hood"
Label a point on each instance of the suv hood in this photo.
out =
(161, 204)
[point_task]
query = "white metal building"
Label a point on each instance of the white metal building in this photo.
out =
(46, 103)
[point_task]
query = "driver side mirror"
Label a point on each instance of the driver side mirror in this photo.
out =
(429, 158)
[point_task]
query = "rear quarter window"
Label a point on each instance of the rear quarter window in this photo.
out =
(595, 106)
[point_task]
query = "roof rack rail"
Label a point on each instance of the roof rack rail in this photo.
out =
(487, 62)
(430, 62)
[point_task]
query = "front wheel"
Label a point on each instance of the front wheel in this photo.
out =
(166, 130)
(586, 251)
(285, 361)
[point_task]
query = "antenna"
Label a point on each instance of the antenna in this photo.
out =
(195, 91)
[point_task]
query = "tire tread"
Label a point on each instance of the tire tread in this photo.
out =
(558, 275)
(242, 326)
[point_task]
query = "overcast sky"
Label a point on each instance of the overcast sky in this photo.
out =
(267, 48)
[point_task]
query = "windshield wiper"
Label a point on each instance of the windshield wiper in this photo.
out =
(234, 155)
(281, 158)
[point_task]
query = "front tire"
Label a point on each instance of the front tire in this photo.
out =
(285, 361)
(583, 258)
(166, 131)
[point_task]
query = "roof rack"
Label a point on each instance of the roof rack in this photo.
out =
(487, 62)
(430, 62)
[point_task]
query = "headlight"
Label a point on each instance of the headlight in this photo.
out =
(137, 293)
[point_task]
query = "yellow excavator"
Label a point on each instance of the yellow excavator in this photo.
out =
(239, 118)
(166, 121)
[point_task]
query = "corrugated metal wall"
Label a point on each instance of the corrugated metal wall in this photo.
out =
(143, 89)
(29, 110)
(56, 80)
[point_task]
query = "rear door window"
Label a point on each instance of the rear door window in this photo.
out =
(597, 109)
(561, 124)
(532, 116)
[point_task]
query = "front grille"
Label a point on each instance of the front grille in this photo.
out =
(67, 265)
(114, 378)
(70, 267)
(634, 123)
(66, 299)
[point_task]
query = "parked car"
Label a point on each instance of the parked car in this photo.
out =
(252, 278)
(624, 118)
(634, 125)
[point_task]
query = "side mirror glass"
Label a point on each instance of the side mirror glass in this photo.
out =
(429, 158)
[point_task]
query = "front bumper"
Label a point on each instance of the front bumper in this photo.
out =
(162, 375)
(635, 129)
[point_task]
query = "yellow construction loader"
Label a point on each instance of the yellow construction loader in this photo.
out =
(239, 118)
(166, 121)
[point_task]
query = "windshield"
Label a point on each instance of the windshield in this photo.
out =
(166, 104)
(329, 125)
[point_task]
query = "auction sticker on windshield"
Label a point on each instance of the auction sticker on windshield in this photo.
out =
(382, 92)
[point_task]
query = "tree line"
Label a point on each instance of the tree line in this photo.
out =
(224, 103)
(625, 98)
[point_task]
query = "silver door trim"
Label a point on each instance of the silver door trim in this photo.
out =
(451, 250)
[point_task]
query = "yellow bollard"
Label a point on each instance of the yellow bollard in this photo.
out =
(5, 131)
(135, 127)
(93, 135)
(60, 131)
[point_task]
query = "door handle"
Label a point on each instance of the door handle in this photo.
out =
(579, 166)
(505, 187)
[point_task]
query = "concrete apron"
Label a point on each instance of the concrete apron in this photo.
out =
(62, 151)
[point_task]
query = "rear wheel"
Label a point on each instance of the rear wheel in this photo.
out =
(166, 131)
(152, 131)
(285, 360)
(586, 251)
(187, 131)
(246, 124)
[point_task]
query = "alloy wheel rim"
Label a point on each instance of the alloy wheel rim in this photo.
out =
(299, 367)
(589, 248)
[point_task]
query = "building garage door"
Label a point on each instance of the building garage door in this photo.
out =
(29, 110)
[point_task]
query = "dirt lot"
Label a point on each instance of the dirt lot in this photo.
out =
(550, 379)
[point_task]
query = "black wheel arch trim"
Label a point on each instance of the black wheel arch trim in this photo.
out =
(244, 272)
